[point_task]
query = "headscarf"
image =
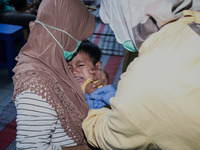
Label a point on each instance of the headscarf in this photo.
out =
(135, 20)
(41, 65)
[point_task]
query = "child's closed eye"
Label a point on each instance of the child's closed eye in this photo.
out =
(81, 65)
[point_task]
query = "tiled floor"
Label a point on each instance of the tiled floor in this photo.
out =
(6, 89)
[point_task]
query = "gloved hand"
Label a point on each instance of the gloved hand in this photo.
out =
(93, 104)
(99, 104)
(103, 94)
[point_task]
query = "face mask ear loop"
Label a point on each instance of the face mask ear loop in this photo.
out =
(44, 25)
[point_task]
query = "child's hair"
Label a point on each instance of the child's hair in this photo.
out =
(91, 49)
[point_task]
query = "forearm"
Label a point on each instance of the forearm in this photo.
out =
(106, 129)
(90, 125)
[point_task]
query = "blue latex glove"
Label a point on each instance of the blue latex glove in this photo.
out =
(93, 104)
(99, 104)
(89, 101)
(103, 94)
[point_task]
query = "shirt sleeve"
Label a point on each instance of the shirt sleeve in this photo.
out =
(36, 121)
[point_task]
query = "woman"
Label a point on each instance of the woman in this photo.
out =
(156, 105)
(50, 104)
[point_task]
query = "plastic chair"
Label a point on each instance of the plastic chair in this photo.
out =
(12, 39)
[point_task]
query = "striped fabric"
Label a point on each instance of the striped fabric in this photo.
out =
(38, 126)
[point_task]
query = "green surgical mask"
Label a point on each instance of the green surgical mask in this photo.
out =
(67, 55)
(129, 45)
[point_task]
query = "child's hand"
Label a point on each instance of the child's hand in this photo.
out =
(89, 89)
(101, 76)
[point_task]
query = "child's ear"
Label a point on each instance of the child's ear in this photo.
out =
(98, 65)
